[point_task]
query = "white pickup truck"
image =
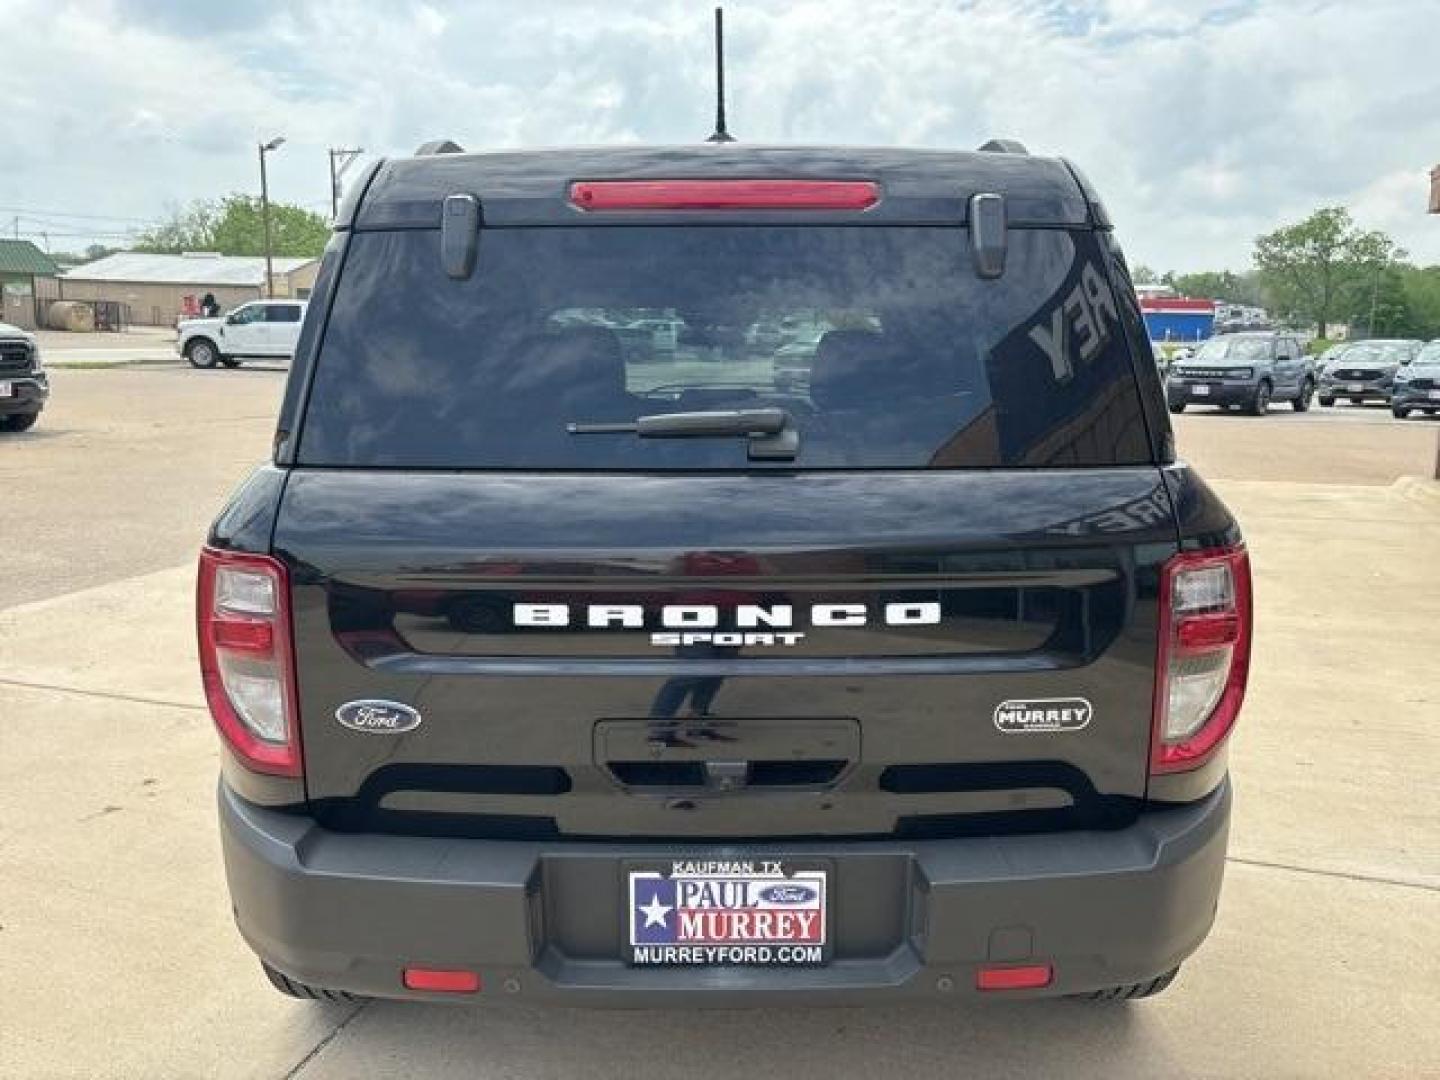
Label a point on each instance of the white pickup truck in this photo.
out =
(261, 328)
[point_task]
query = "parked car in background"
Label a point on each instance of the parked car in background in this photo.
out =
(1416, 387)
(260, 329)
(1331, 355)
(24, 387)
(1366, 370)
(1248, 370)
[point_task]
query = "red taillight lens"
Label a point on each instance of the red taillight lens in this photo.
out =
(1204, 655)
(246, 659)
(724, 194)
(1023, 977)
(441, 980)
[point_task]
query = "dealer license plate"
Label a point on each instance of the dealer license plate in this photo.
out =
(1200, 391)
(748, 912)
(1355, 388)
(6, 389)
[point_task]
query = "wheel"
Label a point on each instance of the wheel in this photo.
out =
(230, 361)
(1133, 991)
(1177, 406)
(1325, 401)
(1399, 412)
(202, 353)
(1357, 401)
(1260, 403)
(19, 421)
(1307, 391)
(290, 988)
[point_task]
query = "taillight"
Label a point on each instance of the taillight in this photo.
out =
(724, 194)
(1204, 656)
(246, 659)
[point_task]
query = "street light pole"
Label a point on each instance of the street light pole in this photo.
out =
(265, 148)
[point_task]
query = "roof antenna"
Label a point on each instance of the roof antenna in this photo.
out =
(720, 135)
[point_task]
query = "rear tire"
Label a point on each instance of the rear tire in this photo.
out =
(19, 421)
(290, 988)
(1133, 991)
(202, 353)
(1307, 391)
(1326, 402)
(1177, 406)
(1399, 412)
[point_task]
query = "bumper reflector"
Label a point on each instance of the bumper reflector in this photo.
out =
(442, 981)
(1026, 977)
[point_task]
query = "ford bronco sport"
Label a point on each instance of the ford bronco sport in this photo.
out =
(565, 652)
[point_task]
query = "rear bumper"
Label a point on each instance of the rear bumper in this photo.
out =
(541, 921)
(28, 394)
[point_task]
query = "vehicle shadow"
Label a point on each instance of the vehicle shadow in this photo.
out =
(1039, 1038)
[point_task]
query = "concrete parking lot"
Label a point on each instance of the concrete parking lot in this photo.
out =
(119, 959)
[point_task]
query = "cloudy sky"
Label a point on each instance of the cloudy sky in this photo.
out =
(1203, 122)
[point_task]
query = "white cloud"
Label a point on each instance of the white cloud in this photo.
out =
(1202, 123)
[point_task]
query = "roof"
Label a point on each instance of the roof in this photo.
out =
(199, 268)
(23, 257)
(531, 187)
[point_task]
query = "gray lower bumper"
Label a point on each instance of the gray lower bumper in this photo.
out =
(541, 921)
(27, 394)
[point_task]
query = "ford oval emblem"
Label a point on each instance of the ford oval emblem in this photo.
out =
(378, 717)
(787, 894)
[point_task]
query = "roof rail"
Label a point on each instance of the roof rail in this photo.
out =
(439, 146)
(1004, 146)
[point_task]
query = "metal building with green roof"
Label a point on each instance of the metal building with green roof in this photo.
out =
(22, 266)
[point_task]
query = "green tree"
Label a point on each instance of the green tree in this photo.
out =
(234, 226)
(1421, 286)
(1224, 285)
(1313, 268)
(1143, 275)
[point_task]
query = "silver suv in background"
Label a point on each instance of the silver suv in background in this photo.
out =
(1416, 387)
(1246, 371)
(1366, 371)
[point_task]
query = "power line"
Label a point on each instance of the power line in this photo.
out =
(69, 214)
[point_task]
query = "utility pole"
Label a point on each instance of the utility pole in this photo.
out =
(265, 148)
(340, 160)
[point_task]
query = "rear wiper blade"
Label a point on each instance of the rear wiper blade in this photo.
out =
(771, 432)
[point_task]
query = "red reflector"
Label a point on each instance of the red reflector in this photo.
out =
(243, 634)
(724, 194)
(1028, 977)
(1207, 631)
(442, 981)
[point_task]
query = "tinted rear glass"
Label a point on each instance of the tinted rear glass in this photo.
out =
(882, 344)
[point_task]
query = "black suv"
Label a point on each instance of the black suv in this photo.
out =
(24, 386)
(557, 661)
(1247, 371)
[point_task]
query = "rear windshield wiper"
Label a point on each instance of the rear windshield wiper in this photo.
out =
(771, 432)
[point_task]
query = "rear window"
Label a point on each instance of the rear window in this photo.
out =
(881, 343)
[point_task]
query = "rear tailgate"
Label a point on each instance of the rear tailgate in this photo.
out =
(984, 659)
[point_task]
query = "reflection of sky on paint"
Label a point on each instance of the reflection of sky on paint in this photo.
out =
(1202, 123)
